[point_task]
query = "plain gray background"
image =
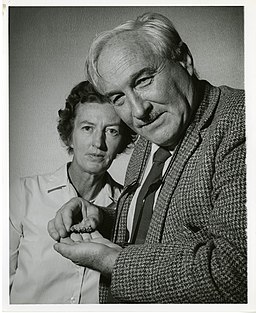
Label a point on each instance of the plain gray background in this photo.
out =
(47, 51)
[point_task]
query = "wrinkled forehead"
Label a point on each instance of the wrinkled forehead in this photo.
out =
(128, 39)
(123, 53)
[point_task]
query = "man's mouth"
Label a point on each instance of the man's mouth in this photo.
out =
(150, 120)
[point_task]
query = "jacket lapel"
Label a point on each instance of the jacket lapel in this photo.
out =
(138, 161)
(184, 151)
(134, 173)
(177, 164)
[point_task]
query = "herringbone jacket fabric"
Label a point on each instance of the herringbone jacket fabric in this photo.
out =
(195, 250)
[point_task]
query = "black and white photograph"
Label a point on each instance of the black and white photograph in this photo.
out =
(129, 176)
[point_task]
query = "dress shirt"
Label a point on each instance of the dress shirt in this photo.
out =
(131, 212)
(38, 274)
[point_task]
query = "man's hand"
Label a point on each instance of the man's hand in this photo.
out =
(76, 211)
(96, 252)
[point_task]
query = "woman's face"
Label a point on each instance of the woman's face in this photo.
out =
(96, 137)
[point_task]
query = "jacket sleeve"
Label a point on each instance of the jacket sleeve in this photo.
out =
(15, 226)
(208, 266)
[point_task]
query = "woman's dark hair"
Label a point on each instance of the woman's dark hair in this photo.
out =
(85, 93)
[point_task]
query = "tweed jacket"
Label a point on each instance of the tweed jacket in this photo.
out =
(195, 250)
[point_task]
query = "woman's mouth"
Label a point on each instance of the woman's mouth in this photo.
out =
(96, 157)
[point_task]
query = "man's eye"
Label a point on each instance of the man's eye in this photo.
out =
(112, 131)
(117, 100)
(144, 81)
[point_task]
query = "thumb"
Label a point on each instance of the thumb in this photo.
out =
(65, 249)
(52, 230)
(84, 207)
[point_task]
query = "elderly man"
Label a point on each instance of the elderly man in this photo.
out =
(180, 229)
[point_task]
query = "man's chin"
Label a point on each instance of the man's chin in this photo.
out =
(161, 141)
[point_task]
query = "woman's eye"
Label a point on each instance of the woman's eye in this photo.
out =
(144, 81)
(87, 128)
(112, 131)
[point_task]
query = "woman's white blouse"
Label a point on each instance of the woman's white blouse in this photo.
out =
(38, 274)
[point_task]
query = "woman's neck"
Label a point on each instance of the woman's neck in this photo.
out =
(86, 184)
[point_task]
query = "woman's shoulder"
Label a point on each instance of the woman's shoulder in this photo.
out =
(35, 181)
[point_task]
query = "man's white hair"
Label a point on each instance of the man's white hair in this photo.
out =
(159, 32)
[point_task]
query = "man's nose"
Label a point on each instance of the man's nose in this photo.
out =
(140, 108)
(98, 140)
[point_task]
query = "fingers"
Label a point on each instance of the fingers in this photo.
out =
(77, 252)
(92, 223)
(84, 209)
(76, 237)
(95, 215)
(70, 214)
(65, 249)
(56, 227)
(80, 237)
(66, 215)
(91, 218)
(52, 230)
(67, 240)
(97, 254)
(107, 243)
(96, 235)
(59, 227)
(86, 236)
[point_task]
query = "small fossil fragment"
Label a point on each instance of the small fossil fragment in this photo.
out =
(83, 227)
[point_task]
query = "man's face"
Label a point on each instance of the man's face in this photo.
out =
(152, 96)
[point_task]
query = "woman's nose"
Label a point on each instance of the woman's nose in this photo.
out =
(98, 140)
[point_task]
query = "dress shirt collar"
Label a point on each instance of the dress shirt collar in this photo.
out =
(59, 179)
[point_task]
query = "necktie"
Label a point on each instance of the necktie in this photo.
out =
(145, 201)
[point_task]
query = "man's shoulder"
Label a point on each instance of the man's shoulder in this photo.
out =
(233, 93)
(228, 113)
(232, 101)
(223, 102)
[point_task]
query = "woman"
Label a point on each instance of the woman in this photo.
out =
(94, 134)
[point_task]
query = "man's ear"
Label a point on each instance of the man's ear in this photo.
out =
(188, 64)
